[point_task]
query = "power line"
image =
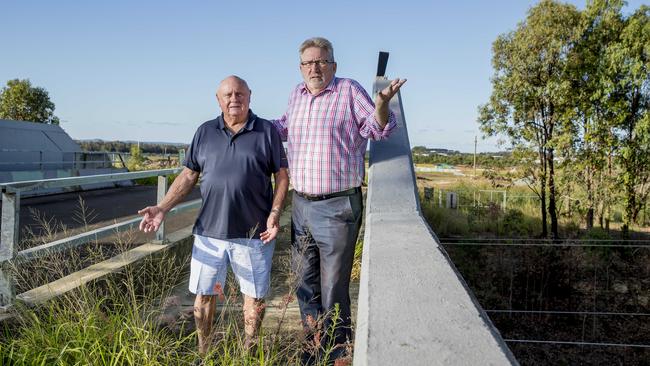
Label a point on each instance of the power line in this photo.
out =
(572, 343)
(566, 245)
(559, 312)
(547, 240)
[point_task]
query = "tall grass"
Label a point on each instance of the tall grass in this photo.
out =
(479, 215)
(133, 318)
(480, 221)
(109, 322)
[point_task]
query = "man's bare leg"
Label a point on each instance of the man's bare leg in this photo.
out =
(253, 315)
(204, 308)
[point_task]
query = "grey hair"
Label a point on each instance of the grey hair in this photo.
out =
(319, 42)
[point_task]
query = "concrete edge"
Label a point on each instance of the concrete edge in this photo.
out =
(372, 346)
(93, 272)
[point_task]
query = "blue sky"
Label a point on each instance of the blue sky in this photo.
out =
(148, 70)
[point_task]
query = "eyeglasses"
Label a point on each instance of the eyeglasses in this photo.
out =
(321, 63)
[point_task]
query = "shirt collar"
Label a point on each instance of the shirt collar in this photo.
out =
(331, 87)
(250, 124)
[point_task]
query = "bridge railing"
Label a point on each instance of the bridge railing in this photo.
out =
(10, 220)
(414, 307)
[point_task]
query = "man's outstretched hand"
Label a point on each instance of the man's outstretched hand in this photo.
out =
(152, 216)
(272, 227)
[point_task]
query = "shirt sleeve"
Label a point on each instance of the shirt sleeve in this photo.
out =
(278, 156)
(364, 112)
(281, 123)
(191, 158)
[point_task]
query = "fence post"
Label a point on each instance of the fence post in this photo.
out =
(8, 241)
(162, 190)
(428, 194)
(505, 200)
(452, 200)
(181, 157)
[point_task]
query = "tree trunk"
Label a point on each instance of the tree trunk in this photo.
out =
(608, 208)
(551, 195)
(630, 204)
(542, 191)
(590, 198)
(601, 215)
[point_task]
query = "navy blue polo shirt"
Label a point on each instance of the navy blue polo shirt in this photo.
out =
(236, 176)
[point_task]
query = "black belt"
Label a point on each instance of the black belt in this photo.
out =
(320, 197)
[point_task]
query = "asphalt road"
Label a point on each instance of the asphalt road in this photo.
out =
(102, 205)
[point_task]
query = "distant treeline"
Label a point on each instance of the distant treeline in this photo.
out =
(125, 147)
(423, 155)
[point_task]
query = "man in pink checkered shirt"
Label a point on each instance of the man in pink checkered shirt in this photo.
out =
(327, 125)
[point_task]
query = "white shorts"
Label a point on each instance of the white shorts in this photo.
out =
(250, 260)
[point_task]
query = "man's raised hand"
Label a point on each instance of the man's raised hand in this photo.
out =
(385, 95)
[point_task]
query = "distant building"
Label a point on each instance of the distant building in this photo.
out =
(28, 146)
(435, 151)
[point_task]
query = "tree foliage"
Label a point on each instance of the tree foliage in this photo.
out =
(21, 101)
(136, 159)
(531, 92)
(574, 88)
(125, 146)
(627, 86)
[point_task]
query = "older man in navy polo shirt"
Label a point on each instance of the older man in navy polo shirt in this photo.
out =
(236, 154)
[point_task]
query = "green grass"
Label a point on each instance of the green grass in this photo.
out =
(153, 181)
(482, 214)
(125, 319)
(110, 322)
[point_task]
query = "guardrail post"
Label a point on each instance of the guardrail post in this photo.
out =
(162, 190)
(8, 241)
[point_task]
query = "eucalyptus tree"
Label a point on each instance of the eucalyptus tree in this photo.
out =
(627, 95)
(589, 141)
(531, 92)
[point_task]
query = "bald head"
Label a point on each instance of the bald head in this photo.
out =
(234, 98)
(233, 79)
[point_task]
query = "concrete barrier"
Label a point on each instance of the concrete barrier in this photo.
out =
(414, 307)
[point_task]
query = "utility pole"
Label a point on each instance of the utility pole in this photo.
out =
(475, 142)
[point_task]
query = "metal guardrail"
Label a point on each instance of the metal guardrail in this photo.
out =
(62, 162)
(10, 220)
(79, 158)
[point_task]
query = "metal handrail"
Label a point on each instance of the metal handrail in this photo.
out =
(10, 219)
(62, 162)
(89, 236)
(29, 185)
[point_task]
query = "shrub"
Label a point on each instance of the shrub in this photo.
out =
(515, 223)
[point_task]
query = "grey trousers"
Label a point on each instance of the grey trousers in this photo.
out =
(323, 235)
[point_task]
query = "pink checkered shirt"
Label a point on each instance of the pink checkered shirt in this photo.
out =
(327, 136)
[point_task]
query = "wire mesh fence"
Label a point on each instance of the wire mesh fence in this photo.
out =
(581, 301)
